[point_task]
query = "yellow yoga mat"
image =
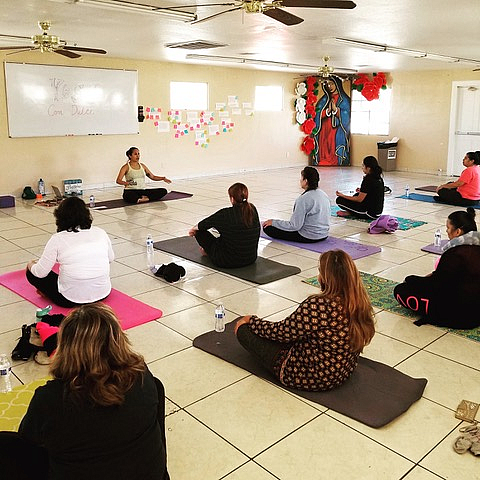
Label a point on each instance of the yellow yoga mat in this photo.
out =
(14, 404)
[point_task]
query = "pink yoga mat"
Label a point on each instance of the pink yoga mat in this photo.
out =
(131, 312)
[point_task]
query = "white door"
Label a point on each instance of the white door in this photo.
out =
(464, 124)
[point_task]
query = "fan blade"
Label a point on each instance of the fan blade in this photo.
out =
(66, 53)
(283, 16)
(318, 3)
(84, 49)
(18, 47)
(213, 16)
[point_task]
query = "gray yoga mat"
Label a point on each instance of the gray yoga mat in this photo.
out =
(261, 272)
(375, 394)
(120, 202)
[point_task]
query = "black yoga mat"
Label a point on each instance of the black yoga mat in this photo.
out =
(375, 394)
(427, 188)
(261, 272)
(120, 202)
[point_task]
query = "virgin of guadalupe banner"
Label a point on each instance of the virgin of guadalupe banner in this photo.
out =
(323, 110)
(332, 124)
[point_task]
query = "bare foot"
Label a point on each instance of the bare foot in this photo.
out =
(343, 213)
(143, 199)
(203, 252)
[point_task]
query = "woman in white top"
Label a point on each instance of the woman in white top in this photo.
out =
(132, 176)
(84, 254)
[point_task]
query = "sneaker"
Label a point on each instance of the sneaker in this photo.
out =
(387, 190)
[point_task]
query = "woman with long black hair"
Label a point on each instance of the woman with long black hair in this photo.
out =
(239, 229)
(367, 202)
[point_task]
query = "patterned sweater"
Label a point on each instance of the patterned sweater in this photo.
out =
(317, 353)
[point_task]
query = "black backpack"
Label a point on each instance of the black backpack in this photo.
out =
(28, 193)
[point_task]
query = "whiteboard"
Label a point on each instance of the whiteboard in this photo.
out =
(51, 100)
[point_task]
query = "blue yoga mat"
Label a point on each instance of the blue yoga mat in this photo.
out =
(429, 199)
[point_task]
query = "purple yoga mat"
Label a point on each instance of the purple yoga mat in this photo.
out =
(431, 248)
(354, 249)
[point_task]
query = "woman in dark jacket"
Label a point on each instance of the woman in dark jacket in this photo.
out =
(448, 297)
(239, 229)
(102, 417)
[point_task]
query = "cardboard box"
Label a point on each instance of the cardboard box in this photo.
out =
(73, 187)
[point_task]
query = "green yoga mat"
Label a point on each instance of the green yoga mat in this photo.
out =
(381, 295)
(403, 223)
(262, 271)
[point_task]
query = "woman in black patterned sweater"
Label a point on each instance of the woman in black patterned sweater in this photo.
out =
(239, 229)
(318, 345)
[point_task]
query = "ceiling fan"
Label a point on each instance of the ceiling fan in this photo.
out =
(271, 8)
(51, 43)
(326, 71)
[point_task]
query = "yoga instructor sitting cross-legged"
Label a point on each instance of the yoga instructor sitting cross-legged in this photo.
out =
(132, 176)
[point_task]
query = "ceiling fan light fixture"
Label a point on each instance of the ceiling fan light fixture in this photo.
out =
(123, 6)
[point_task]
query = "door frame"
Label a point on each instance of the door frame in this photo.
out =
(453, 114)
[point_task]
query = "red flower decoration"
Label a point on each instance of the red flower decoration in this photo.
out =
(370, 88)
(310, 109)
(311, 81)
(308, 145)
(308, 126)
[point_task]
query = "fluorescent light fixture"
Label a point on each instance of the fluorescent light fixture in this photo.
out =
(123, 6)
(406, 52)
(268, 63)
(442, 58)
(374, 47)
(214, 58)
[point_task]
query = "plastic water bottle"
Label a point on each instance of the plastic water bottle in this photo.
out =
(5, 374)
(92, 201)
(407, 190)
(150, 252)
(220, 318)
(438, 238)
(41, 187)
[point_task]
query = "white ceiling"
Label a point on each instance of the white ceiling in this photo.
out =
(446, 27)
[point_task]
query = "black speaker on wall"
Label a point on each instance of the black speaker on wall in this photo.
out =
(141, 116)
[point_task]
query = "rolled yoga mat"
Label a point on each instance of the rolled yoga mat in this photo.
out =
(375, 394)
(262, 271)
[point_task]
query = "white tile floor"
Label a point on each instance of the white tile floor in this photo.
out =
(224, 423)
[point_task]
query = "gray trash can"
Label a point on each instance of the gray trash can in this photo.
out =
(387, 156)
